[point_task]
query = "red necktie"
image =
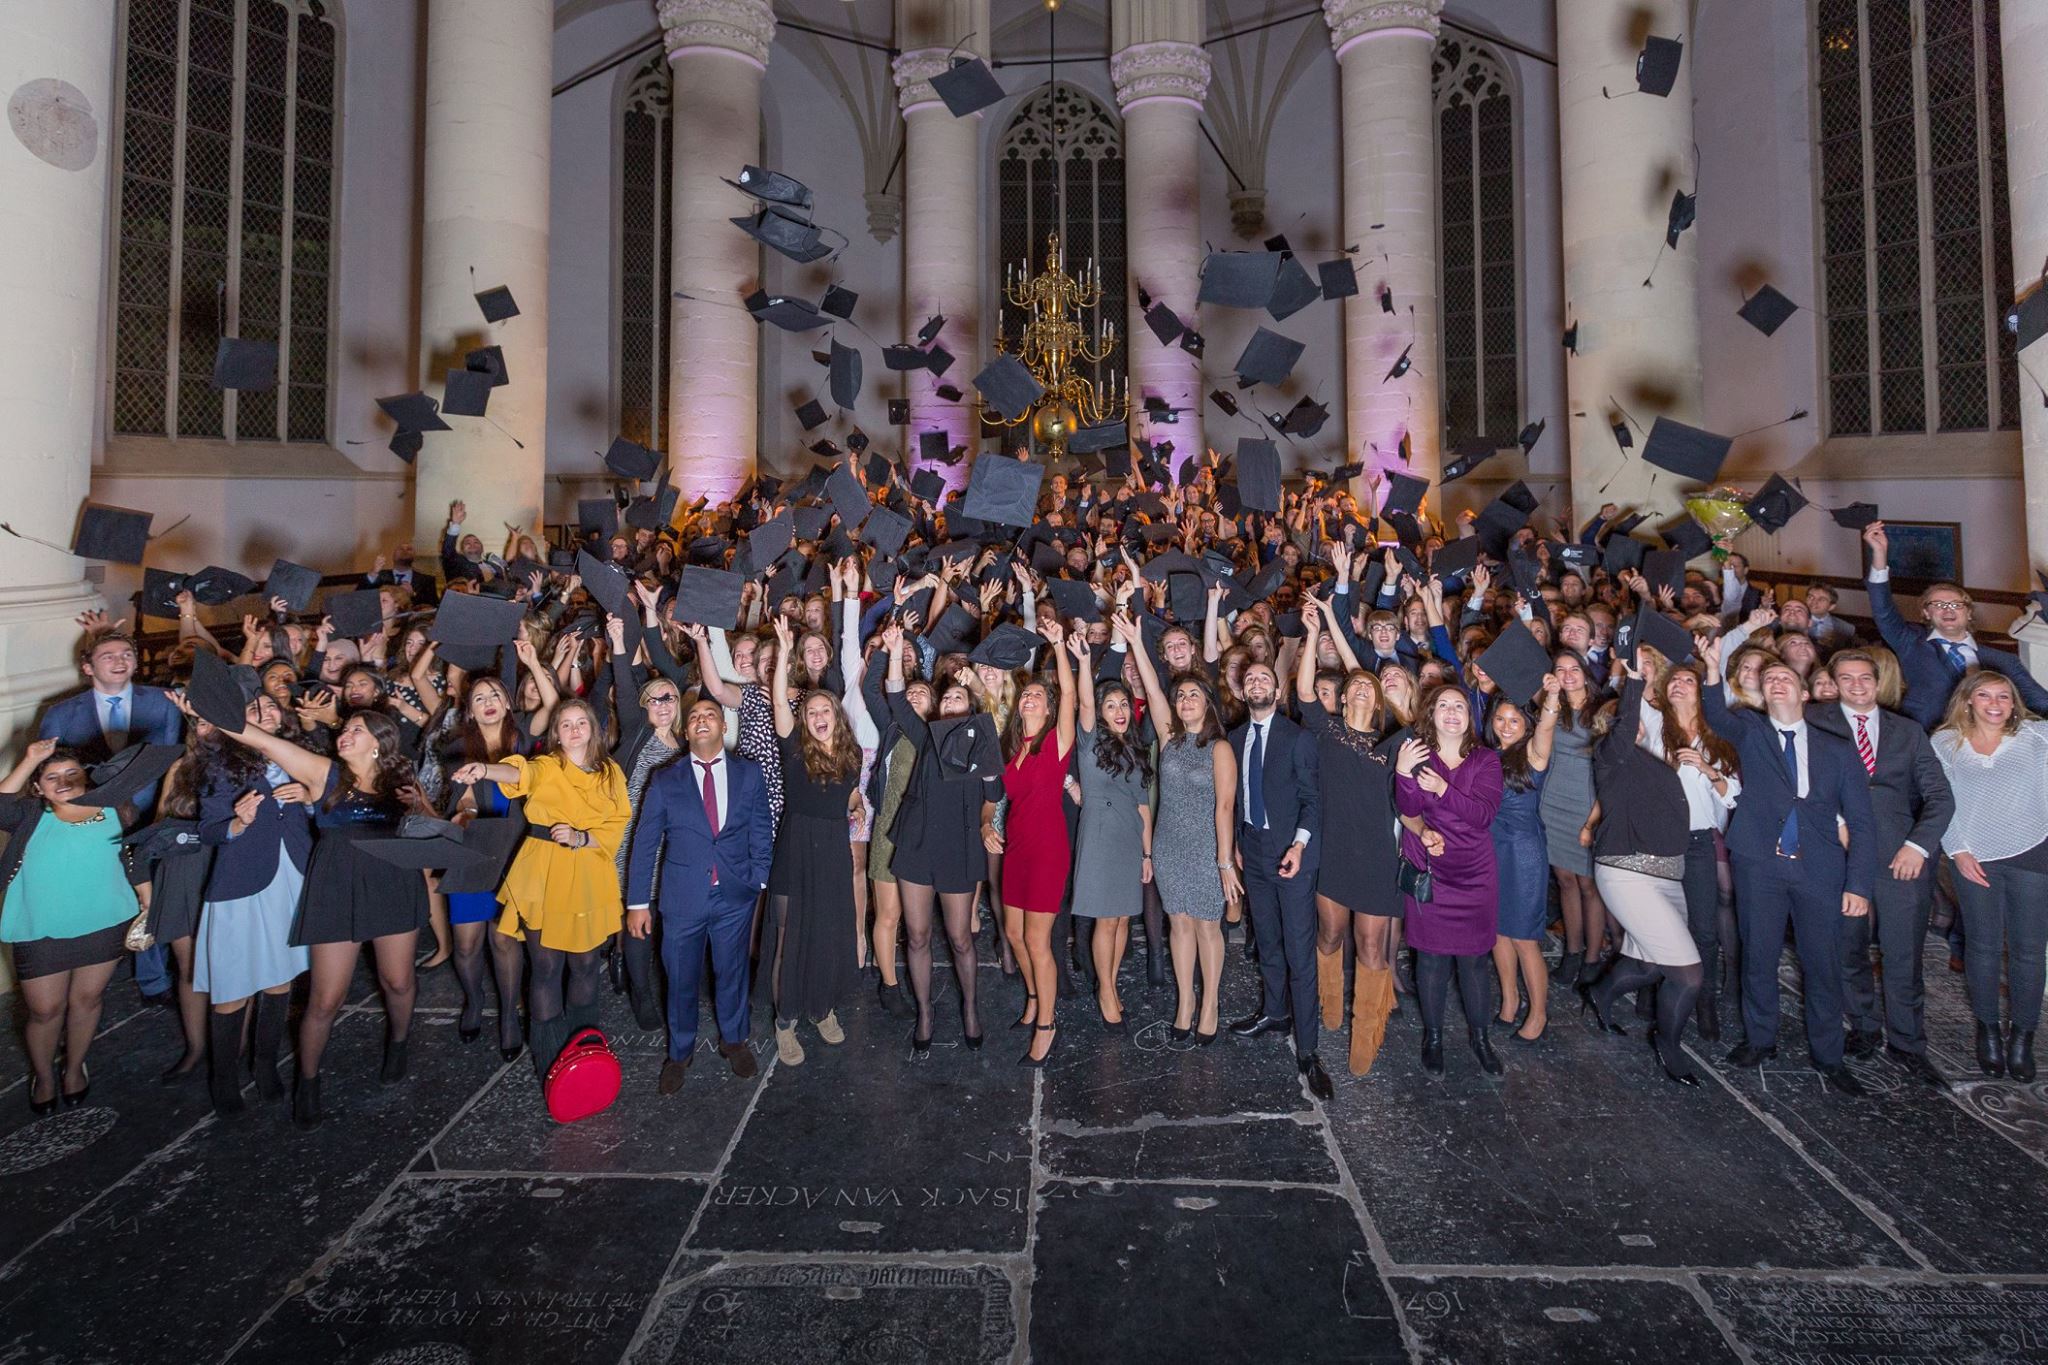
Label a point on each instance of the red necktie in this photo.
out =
(710, 807)
(1863, 748)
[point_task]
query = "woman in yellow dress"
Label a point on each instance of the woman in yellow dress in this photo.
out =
(562, 892)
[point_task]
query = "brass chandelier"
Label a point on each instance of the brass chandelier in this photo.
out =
(1056, 341)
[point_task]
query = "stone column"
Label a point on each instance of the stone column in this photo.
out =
(56, 67)
(2023, 29)
(941, 212)
(484, 223)
(1622, 161)
(1162, 76)
(717, 52)
(1384, 49)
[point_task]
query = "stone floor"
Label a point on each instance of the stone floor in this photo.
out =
(1139, 1200)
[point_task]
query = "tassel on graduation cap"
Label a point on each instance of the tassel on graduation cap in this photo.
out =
(1768, 425)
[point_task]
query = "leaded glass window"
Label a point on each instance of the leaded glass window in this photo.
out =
(1476, 177)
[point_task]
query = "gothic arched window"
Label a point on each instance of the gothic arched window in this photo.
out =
(645, 165)
(1916, 234)
(226, 213)
(1476, 175)
(1062, 133)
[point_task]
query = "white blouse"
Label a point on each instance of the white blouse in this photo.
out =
(2001, 797)
(1705, 807)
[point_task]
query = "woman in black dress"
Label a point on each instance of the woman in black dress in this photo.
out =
(353, 897)
(177, 866)
(809, 939)
(1356, 882)
(939, 851)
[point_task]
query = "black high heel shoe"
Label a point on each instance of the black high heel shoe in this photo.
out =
(469, 1033)
(74, 1098)
(972, 1040)
(1179, 1034)
(42, 1109)
(394, 1062)
(1587, 1002)
(1684, 1078)
(920, 1048)
(1038, 1063)
(1025, 1022)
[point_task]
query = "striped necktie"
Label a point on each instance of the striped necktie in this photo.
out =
(1863, 747)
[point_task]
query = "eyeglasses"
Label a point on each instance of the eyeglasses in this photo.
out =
(1948, 604)
(661, 700)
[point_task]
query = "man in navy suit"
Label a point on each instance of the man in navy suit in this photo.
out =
(1279, 815)
(1801, 788)
(1934, 660)
(106, 718)
(705, 821)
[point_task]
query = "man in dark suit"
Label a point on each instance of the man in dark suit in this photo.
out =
(1279, 816)
(1934, 660)
(1801, 786)
(107, 717)
(402, 573)
(1912, 804)
(705, 822)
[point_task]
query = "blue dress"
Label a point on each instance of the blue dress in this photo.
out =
(472, 907)
(1521, 848)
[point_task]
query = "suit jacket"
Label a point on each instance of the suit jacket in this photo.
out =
(424, 591)
(1836, 788)
(75, 722)
(1929, 680)
(245, 863)
(671, 830)
(1909, 793)
(1292, 785)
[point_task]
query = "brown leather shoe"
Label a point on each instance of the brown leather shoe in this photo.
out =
(741, 1058)
(673, 1074)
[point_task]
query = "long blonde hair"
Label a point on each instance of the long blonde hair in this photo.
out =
(1959, 719)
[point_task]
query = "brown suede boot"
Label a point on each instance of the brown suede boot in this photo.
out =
(1330, 988)
(1372, 999)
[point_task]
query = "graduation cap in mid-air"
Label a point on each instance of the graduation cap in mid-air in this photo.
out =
(1687, 451)
(245, 365)
(118, 535)
(1775, 504)
(1766, 310)
(967, 87)
(1657, 65)
(497, 304)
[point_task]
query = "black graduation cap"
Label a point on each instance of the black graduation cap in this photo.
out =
(1657, 65)
(967, 87)
(707, 597)
(1073, 599)
(1159, 410)
(1623, 436)
(1003, 490)
(783, 231)
(488, 360)
(245, 365)
(886, 530)
(2028, 318)
(214, 586)
(1517, 663)
(1239, 279)
(160, 592)
(899, 411)
(1531, 434)
(1776, 503)
(215, 693)
(359, 613)
(467, 393)
(903, 357)
(1455, 559)
(606, 583)
(1500, 519)
(1402, 364)
(768, 542)
(845, 377)
(1116, 460)
(497, 304)
(1664, 569)
(1187, 595)
(1766, 310)
(472, 620)
(926, 483)
(1337, 279)
(938, 360)
(1007, 387)
(1267, 581)
(631, 461)
(1855, 516)
(1268, 358)
(772, 187)
(968, 747)
(838, 301)
(810, 521)
(1386, 298)
(879, 470)
(1472, 452)
(788, 313)
(948, 393)
(122, 778)
(1686, 451)
(1661, 633)
(600, 515)
(1293, 290)
(114, 534)
(1225, 400)
(161, 839)
(422, 842)
(1007, 646)
(489, 845)
(1571, 338)
(295, 584)
(1258, 474)
(413, 412)
(653, 513)
(929, 333)
(828, 448)
(954, 630)
(1688, 539)
(406, 444)
(849, 499)
(1163, 323)
(1305, 418)
(1684, 209)
(810, 414)
(1347, 471)
(1105, 436)
(1619, 553)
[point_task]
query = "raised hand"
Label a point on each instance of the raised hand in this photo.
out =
(1879, 542)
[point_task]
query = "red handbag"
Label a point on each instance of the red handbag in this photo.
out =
(584, 1079)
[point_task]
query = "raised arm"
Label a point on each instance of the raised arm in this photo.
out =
(1213, 643)
(853, 701)
(303, 766)
(1126, 629)
(1545, 734)
(715, 684)
(1063, 668)
(1305, 671)
(778, 697)
(1084, 680)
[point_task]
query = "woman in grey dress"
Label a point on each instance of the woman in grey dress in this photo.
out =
(1567, 809)
(1193, 833)
(1112, 858)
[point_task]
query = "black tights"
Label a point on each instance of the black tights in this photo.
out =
(958, 909)
(508, 965)
(1677, 989)
(1433, 982)
(563, 981)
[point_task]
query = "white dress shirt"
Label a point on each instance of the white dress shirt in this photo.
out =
(1798, 729)
(1257, 734)
(116, 733)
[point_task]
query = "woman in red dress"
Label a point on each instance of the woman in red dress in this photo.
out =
(1037, 744)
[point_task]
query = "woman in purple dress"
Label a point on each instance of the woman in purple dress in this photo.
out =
(1447, 788)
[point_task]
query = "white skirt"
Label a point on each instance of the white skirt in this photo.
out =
(1652, 912)
(244, 946)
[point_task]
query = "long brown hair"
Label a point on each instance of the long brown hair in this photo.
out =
(476, 746)
(1015, 742)
(834, 760)
(1424, 724)
(393, 769)
(1718, 751)
(568, 704)
(1212, 713)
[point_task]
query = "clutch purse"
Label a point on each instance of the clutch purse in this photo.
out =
(138, 939)
(1416, 883)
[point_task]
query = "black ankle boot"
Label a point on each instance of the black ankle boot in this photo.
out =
(271, 1012)
(1482, 1048)
(1433, 1050)
(2019, 1055)
(1990, 1055)
(224, 1061)
(394, 1061)
(306, 1103)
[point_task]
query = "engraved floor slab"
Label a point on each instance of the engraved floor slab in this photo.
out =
(1796, 1323)
(1585, 1322)
(1272, 1149)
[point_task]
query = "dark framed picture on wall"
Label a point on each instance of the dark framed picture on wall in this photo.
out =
(1923, 551)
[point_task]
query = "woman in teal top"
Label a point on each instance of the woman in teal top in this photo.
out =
(70, 893)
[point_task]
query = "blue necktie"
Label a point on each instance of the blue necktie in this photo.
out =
(115, 724)
(1255, 780)
(1953, 653)
(1788, 837)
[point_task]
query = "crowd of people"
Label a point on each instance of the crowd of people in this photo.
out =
(1407, 760)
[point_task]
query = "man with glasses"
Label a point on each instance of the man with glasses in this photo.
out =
(1935, 660)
